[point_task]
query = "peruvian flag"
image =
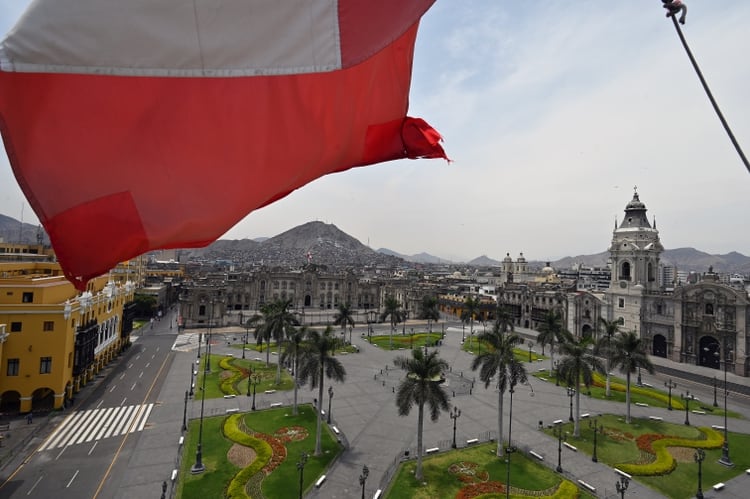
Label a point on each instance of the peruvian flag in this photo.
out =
(145, 124)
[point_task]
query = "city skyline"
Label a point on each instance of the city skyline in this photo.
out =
(551, 113)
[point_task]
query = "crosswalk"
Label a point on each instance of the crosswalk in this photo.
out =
(96, 424)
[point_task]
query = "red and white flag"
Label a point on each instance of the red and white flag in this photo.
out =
(139, 125)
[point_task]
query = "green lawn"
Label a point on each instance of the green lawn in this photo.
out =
(474, 347)
(406, 341)
(617, 445)
(267, 374)
(283, 480)
(447, 473)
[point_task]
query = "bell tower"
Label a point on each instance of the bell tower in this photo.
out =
(634, 259)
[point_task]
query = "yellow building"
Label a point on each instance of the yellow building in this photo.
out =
(53, 339)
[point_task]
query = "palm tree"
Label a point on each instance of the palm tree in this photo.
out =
(278, 320)
(604, 344)
(629, 354)
(316, 362)
(292, 351)
(503, 319)
(421, 386)
(392, 309)
(550, 333)
(498, 360)
(577, 365)
(343, 317)
(470, 309)
(430, 310)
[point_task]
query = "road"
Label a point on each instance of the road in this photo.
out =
(87, 453)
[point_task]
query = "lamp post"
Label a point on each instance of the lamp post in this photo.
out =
(363, 478)
(254, 380)
(193, 373)
(301, 467)
(454, 415)
(244, 342)
(330, 398)
(716, 404)
(571, 392)
(725, 459)
(184, 413)
(593, 423)
(699, 456)
(639, 381)
(622, 486)
(558, 432)
(670, 386)
(557, 373)
(687, 397)
(463, 331)
(208, 339)
(509, 450)
(531, 345)
(198, 467)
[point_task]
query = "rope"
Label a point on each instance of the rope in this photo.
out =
(710, 95)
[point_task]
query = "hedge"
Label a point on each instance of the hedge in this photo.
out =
(566, 490)
(228, 384)
(263, 451)
(600, 381)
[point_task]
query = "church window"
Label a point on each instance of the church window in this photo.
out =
(625, 271)
(621, 302)
(709, 309)
(659, 309)
(650, 272)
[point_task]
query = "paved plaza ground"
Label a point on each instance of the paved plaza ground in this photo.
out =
(365, 414)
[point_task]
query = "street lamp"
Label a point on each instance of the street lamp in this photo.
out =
(330, 398)
(670, 385)
(622, 486)
(687, 397)
(454, 415)
(639, 381)
(725, 459)
(363, 479)
(301, 468)
(699, 456)
(193, 373)
(244, 342)
(716, 404)
(558, 432)
(463, 331)
(254, 380)
(198, 467)
(571, 392)
(531, 345)
(184, 413)
(557, 373)
(593, 423)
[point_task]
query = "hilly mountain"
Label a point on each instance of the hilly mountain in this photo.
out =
(314, 242)
(484, 261)
(13, 231)
(416, 258)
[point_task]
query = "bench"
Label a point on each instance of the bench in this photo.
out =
(431, 450)
(571, 447)
(698, 412)
(622, 473)
(656, 418)
(270, 391)
(277, 404)
(232, 411)
(641, 404)
(719, 486)
(4, 426)
(229, 396)
(182, 441)
(586, 415)
(472, 441)
(320, 481)
(587, 485)
(717, 427)
(335, 430)
(557, 421)
(377, 494)
(538, 456)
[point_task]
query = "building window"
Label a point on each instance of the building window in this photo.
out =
(45, 365)
(621, 302)
(15, 327)
(48, 326)
(625, 271)
(659, 309)
(13, 367)
(709, 309)
(28, 297)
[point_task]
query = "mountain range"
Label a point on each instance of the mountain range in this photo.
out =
(325, 244)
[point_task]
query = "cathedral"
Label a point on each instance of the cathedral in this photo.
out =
(704, 323)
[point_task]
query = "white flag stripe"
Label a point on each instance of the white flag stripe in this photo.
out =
(84, 424)
(96, 435)
(64, 427)
(115, 421)
(120, 427)
(143, 419)
(96, 424)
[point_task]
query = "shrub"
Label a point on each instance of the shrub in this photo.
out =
(230, 428)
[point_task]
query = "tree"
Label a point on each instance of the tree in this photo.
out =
(277, 321)
(498, 360)
(550, 333)
(292, 350)
(343, 317)
(629, 354)
(392, 309)
(421, 386)
(316, 363)
(470, 309)
(503, 319)
(604, 344)
(429, 310)
(577, 365)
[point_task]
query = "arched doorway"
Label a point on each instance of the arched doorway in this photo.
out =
(586, 331)
(709, 352)
(660, 346)
(10, 402)
(308, 300)
(43, 400)
(526, 323)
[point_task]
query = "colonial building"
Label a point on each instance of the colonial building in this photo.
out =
(53, 340)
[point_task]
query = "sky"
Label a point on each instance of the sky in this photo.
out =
(552, 111)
